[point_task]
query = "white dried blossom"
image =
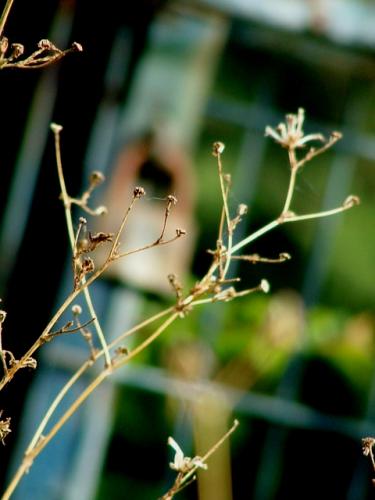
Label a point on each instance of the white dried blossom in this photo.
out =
(290, 134)
(181, 463)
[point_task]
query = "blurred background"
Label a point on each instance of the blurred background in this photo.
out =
(157, 83)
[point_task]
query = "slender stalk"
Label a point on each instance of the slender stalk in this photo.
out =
(54, 405)
(4, 15)
(148, 341)
(82, 370)
(42, 443)
(317, 215)
(69, 223)
(212, 450)
(112, 254)
(292, 179)
(224, 195)
(263, 230)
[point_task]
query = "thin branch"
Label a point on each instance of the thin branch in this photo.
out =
(40, 443)
(292, 179)
(56, 129)
(4, 15)
(212, 450)
(89, 363)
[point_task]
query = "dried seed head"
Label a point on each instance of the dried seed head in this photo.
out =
(17, 50)
(87, 265)
(265, 286)
(82, 221)
(242, 209)
(172, 199)
(76, 309)
(4, 43)
(285, 256)
(77, 47)
(96, 178)
(351, 201)
(335, 135)
(218, 148)
(56, 128)
(102, 210)
(46, 44)
(139, 192)
(367, 444)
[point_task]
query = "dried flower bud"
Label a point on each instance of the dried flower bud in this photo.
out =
(351, 201)
(180, 232)
(172, 199)
(284, 256)
(46, 44)
(218, 148)
(87, 265)
(336, 136)
(102, 210)
(264, 286)
(96, 178)
(4, 43)
(77, 47)
(138, 192)
(17, 50)
(76, 309)
(242, 209)
(367, 444)
(56, 128)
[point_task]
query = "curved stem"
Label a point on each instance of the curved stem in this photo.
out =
(292, 179)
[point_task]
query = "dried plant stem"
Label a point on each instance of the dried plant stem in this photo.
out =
(185, 478)
(67, 302)
(113, 252)
(68, 216)
(40, 443)
(89, 363)
(212, 450)
(147, 247)
(54, 405)
(147, 342)
(5, 14)
(207, 290)
(257, 234)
